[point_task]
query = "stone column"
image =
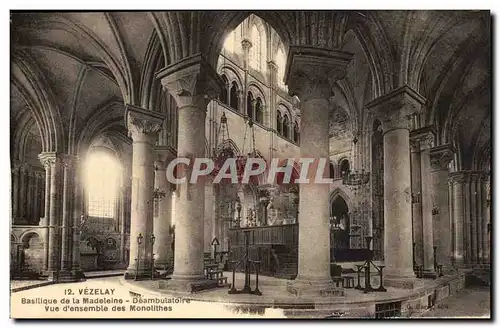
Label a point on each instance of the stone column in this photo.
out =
(163, 211)
(394, 110)
(22, 194)
(54, 210)
(193, 83)
(77, 213)
(416, 203)
(467, 218)
(143, 126)
(29, 195)
(473, 217)
(15, 193)
(479, 218)
(48, 172)
(426, 142)
(442, 230)
(310, 74)
(458, 179)
(66, 162)
(485, 219)
(36, 198)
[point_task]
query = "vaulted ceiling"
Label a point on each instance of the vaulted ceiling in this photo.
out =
(71, 68)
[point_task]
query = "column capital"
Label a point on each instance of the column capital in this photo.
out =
(459, 177)
(424, 137)
(441, 156)
(192, 82)
(143, 125)
(271, 65)
(68, 160)
(246, 44)
(396, 108)
(312, 72)
(49, 158)
(164, 154)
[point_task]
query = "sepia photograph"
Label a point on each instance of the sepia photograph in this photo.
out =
(257, 164)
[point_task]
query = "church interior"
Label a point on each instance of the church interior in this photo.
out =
(398, 101)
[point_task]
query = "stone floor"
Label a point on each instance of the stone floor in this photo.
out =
(274, 292)
(469, 302)
(19, 285)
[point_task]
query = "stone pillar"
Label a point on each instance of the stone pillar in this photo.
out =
(416, 203)
(473, 217)
(22, 194)
(193, 83)
(458, 179)
(479, 218)
(163, 210)
(46, 215)
(65, 226)
(143, 126)
(467, 218)
(54, 211)
(426, 143)
(485, 219)
(311, 73)
(394, 110)
(442, 229)
(77, 214)
(15, 193)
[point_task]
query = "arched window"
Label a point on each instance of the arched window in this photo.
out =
(279, 123)
(281, 63)
(223, 92)
(258, 111)
(296, 132)
(102, 180)
(286, 127)
(233, 101)
(332, 171)
(250, 105)
(255, 50)
(344, 166)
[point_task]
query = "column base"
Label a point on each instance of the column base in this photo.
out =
(311, 288)
(187, 286)
(67, 276)
(142, 271)
(52, 275)
(430, 274)
(403, 282)
(78, 274)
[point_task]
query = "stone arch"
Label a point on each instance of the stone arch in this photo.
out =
(257, 92)
(377, 48)
(345, 194)
(28, 235)
(232, 75)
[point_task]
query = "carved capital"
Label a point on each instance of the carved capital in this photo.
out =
(460, 177)
(246, 44)
(396, 109)
(164, 154)
(424, 137)
(68, 161)
(312, 72)
(143, 125)
(271, 65)
(192, 82)
(441, 156)
(49, 159)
